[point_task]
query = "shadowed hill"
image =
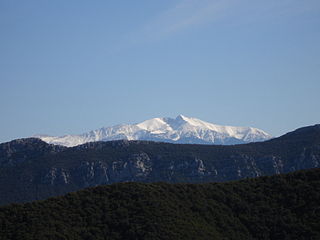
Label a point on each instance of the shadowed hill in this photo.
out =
(277, 207)
(31, 169)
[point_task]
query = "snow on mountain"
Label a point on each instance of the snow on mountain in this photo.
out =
(181, 129)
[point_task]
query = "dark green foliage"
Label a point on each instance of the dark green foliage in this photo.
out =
(277, 207)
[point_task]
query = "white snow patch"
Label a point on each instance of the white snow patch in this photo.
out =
(180, 129)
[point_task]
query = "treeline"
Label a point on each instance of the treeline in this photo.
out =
(277, 207)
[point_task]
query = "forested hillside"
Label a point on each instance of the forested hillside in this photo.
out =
(277, 207)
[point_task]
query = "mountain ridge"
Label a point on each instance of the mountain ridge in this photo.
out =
(181, 129)
(31, 169)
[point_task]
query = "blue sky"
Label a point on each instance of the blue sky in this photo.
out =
(72, 66)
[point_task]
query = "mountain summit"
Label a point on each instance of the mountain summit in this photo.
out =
(181, 129)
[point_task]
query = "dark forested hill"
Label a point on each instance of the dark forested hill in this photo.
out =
(276, 207)
(31, 169)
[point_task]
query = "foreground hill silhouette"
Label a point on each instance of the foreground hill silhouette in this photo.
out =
(277, 207)
(31, 169)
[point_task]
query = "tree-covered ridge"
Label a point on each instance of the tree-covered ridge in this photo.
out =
(277, 207)
(32, 170)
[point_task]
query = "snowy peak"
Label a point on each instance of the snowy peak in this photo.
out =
(155, 125)
(195, 122)
(181, 129)
(182, 118)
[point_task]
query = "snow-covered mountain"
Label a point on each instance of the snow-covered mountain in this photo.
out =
(181, 129)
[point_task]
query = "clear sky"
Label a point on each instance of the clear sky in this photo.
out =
(72, 66)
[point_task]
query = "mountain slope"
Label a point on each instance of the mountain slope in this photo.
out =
(58, 170)
(278, 207)
(179, 130)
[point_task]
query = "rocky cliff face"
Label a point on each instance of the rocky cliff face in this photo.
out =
(31, 169)
(145, 168)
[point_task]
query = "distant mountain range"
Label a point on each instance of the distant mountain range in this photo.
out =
(181, 129)
(31, 169)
